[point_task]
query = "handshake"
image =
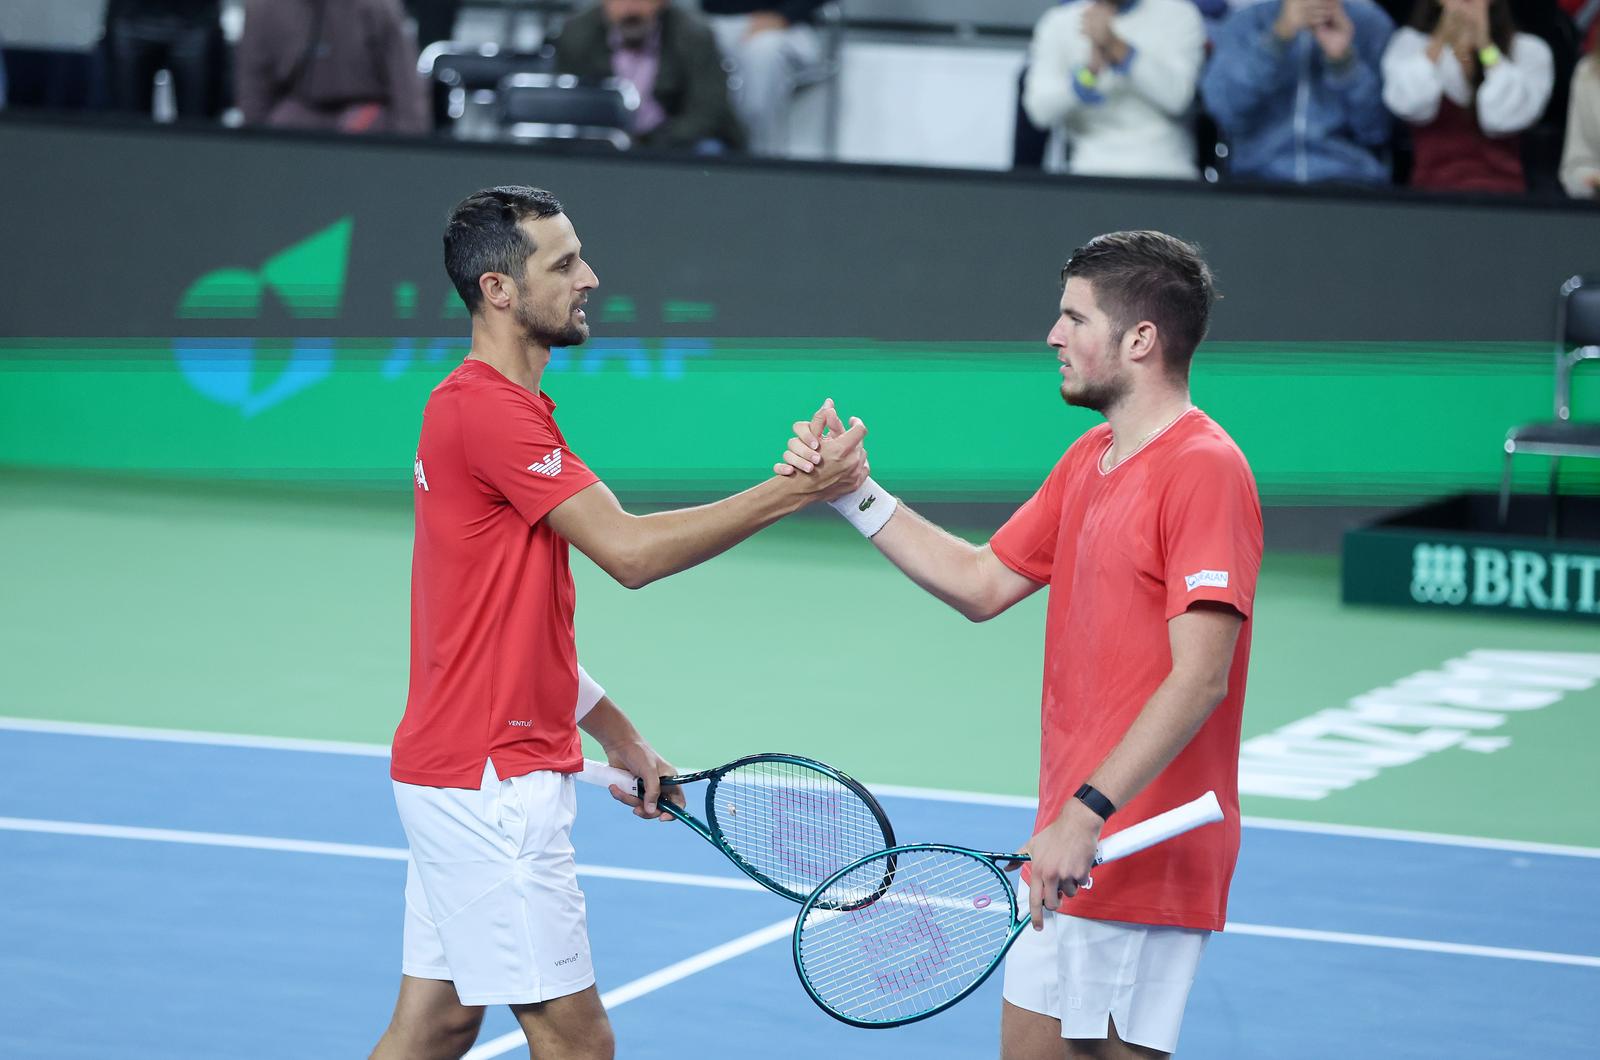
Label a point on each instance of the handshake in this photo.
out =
(827, 459)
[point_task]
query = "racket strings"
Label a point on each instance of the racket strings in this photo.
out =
(794, 824)
(934, 931)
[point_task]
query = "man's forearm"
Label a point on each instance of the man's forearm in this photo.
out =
(1165, 725)
(938, 561)
(665, 543)
(608, 725)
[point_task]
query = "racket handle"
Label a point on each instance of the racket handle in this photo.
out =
(1161, 827)
(603, 776)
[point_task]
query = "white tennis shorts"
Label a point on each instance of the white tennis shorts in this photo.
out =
(1085, 972)
(492, 897)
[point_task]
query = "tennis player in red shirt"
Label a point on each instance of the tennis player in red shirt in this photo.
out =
(1148, 534)
(483, 758)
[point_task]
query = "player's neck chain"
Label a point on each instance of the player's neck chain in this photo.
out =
(1107, 464)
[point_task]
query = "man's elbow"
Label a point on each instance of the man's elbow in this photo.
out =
(632, 573)
(627, 567)
(1213, 691)
(980, 608)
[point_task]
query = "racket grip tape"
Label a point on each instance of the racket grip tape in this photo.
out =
(1161, 827)
(601, 775)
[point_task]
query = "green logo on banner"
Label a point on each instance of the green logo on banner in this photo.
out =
(308, 278)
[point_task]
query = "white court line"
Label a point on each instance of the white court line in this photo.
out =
(654, 981)
(372, 750)
(348, 850)
(1357, 831)
(1389, 942)
(306, 846)
(216, 739)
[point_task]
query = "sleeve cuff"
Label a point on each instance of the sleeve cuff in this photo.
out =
(998, 546)
(1086, 85)
(550, 502)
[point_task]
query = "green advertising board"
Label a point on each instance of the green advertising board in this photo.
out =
(1452, 556)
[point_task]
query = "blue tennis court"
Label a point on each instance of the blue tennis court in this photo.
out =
(199, 896)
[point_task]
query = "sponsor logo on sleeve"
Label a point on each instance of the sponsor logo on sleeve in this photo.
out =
(416, 473)
(1216, 579)
(549, 467)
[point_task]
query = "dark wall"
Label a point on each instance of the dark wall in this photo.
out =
(104, 228)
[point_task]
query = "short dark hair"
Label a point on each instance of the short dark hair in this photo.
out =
(483, 235)
(1149, 276)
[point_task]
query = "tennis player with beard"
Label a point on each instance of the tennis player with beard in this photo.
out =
(1148, 534)
(484, 755)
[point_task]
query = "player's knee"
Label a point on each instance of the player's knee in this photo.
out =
(445, 1035)
(456, 1040)
(453, 1034)
(595, 1042)
(602, 1044)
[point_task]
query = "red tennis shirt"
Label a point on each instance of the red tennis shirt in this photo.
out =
(1124, 552)
(494, 665)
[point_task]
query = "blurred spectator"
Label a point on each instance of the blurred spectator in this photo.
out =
(183, 37)
(1580, 161)
(773, 45)
(1467, 83)
(1118, 82)
(345, 65)
(670, 57)
(1585, 16)
(1295, 87)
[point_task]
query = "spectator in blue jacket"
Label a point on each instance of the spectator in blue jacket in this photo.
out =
(1296, 89)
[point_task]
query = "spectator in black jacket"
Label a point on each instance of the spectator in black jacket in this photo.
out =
(774, 46)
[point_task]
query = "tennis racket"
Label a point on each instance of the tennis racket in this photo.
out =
(909, 931)
(787, 822)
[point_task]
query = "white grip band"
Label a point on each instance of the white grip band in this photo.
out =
(868, 508)
(1160, 828)
(603, 776)
(589, 693)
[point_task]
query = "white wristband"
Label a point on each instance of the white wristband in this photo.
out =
(589, 693)
(868, 508)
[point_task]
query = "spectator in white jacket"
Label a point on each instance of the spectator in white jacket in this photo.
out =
(1118, 81)
(1468, 84)
(1580, 158)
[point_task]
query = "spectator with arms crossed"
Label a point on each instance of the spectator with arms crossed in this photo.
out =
(1118, 81)
(1148, 534)
(341, 65)
(1295, 87)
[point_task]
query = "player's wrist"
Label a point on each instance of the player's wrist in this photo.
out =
(867, 508)
(1095, 801)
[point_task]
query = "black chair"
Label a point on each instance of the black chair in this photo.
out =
(560, 107)
(1578, 339)
(470, 74)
